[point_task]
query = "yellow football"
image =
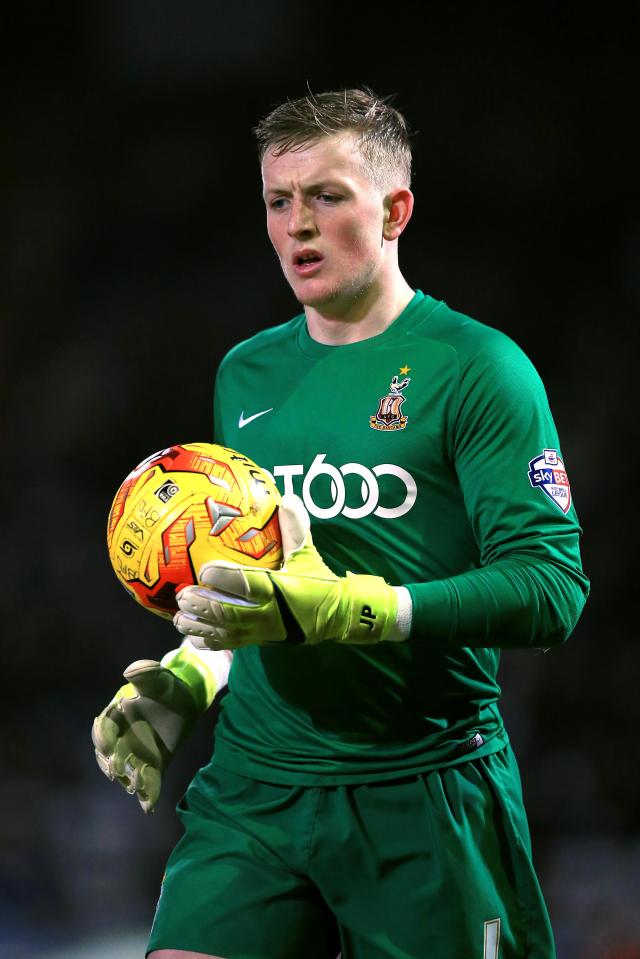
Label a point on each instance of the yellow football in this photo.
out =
(184, 506)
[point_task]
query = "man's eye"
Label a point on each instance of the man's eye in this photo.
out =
(328, 197)
(278, 203)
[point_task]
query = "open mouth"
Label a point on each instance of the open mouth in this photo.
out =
(305, 263)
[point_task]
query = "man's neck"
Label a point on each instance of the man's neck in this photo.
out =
(363, 317)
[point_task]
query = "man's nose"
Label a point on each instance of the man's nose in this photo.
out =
(301, 222)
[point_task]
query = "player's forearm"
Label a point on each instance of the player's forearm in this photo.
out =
(515, 602)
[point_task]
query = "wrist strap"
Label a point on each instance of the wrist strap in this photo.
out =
(372, 608)
(187, 666)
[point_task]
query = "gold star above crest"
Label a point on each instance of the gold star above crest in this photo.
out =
(404, 370)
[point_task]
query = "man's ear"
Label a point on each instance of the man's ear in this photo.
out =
(398, 207)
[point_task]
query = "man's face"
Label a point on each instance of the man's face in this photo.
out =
(325, 218)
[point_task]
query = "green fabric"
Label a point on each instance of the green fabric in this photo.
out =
(442, 503)
(423, 866)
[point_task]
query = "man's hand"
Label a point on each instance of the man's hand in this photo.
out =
(137, 734)
(304, 602)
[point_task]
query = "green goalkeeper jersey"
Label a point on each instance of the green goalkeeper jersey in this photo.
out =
(426, 455)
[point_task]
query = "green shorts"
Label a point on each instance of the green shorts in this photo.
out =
(432, 866)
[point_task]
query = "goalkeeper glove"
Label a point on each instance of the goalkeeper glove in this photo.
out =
(137, 734)
(303, 602)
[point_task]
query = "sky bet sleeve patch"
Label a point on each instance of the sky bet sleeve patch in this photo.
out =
(547, 472)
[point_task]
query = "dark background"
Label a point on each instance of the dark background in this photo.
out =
(137, 255)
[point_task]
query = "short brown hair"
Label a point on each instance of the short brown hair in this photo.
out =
(381, 132)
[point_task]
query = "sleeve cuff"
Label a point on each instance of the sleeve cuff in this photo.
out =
(404, 616)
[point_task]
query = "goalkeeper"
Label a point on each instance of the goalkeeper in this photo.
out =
(362, 797)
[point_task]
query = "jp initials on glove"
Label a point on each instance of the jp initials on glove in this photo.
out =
(303, 602)
(137, 734)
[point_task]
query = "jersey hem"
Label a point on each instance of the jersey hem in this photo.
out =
(225, 758)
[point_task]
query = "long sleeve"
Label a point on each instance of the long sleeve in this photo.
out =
(529, 588)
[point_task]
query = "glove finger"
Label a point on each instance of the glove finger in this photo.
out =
(104, 734)
(148, 788)
(104, 765)
(236, 585)
(113, 754)
(139, 779)
(125, 782)
(135, 776)
(201, 602)
(212, 575)
(300, 553)
(214, 646)
(122, 763)
(202, 634)
(148, 677)
(294, 524)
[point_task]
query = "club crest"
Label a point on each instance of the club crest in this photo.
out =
(388, 416)
(547, 472)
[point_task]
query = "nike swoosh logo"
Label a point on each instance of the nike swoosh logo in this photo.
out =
(243, 422)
